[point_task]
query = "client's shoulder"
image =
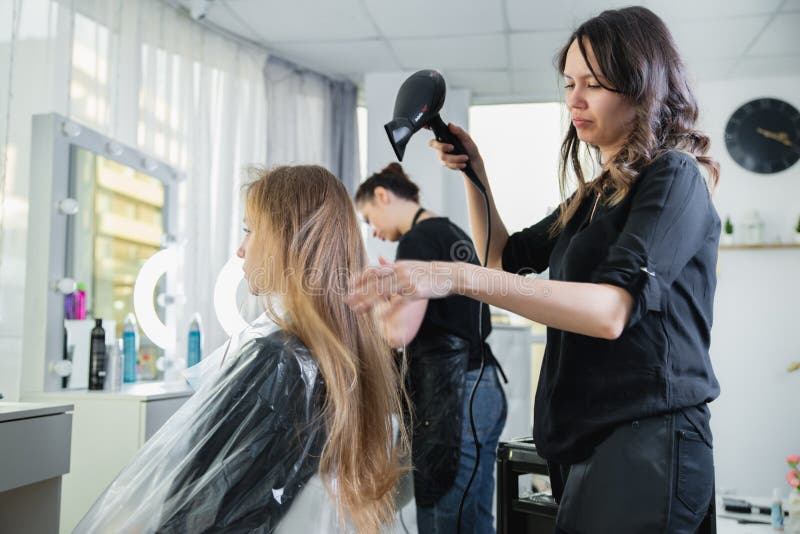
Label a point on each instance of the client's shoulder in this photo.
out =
(283, 348)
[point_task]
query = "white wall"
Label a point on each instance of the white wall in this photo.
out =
(441, 190)
(755, 335)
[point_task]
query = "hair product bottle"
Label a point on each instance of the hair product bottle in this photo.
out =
(97, 356)
(129, 335)
(195, 352)
(80, 302)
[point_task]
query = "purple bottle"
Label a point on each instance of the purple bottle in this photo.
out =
(69, 306)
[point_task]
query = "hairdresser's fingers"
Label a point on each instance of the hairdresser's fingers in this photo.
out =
(440, 146)
(374, 285)
(452, 161)
(383, 261)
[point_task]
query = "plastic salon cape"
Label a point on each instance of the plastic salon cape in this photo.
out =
(241, 455)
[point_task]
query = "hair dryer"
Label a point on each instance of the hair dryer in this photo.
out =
(418, 103)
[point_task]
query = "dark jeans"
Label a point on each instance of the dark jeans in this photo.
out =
(489, 411)
(655, 475)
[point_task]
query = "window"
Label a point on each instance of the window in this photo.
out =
(520, 145)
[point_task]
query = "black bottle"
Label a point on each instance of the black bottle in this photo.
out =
(97, 356)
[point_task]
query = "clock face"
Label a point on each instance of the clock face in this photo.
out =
(763, 135)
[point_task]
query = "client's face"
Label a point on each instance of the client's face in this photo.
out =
(252, 260)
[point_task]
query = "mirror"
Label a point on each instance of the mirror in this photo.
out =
(118, 226)
(103, 209)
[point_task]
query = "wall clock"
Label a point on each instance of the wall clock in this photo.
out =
(763, 135)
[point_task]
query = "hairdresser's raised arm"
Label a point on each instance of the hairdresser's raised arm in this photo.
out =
(477, 205)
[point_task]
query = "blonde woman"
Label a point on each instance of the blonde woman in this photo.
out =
(315, 397)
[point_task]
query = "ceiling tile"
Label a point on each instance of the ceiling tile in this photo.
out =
(304, 20)
(440, 18)
(227, 18)
(536, 51)
(791, 5)
(340, 57)
(705, 70)
(780, 38)
(716, 39)
(526, 15)
(757, 67)
(680, 10)
(479, 81)
(452, 53)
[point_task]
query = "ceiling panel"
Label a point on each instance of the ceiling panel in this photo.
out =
(680, 10)
(767, 66)
(527, 15)
(341, 57)
(702, 70)
(504, 49)
(791, 5)
(536, 51)
(781, 37)
(424, 18)
(715, 38)
(479, 82)
(304, 20)
(226, 17)
(452, 53)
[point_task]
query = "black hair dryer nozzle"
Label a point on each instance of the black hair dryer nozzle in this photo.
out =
(418, 103)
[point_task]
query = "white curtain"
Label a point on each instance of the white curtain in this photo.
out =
(144, 73)
(312, 120)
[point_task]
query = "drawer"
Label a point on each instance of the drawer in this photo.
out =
(157, 412)
(35, 449)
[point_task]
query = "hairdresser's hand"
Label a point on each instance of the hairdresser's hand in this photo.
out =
(457, 161)
(393, 283)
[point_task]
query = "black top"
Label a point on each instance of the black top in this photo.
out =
(438, 239)
(660, 244)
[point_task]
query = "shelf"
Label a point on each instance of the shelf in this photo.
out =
(763, 246)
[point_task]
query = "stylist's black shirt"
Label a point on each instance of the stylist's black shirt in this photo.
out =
(660, 244)
(438, 239)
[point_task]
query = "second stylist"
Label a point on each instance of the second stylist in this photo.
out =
(443, 341)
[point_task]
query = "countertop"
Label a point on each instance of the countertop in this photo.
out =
(11, 411)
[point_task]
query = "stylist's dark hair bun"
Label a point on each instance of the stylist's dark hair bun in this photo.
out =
(393, 178)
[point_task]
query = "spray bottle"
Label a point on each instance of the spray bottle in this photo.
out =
(195, 352)
(129, 342)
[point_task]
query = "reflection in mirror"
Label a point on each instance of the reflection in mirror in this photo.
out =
(119, 226)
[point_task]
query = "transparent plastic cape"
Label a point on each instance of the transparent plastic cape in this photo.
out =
(235, 456)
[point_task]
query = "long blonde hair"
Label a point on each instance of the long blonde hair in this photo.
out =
(305, 229)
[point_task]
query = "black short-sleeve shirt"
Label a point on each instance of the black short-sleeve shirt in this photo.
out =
(439, 239)
(660, 244)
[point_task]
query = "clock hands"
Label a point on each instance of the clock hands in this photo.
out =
(781, 137)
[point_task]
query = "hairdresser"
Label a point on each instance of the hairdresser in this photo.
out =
(443, 344)
(621, 410)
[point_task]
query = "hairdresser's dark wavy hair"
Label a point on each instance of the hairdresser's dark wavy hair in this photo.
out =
(391, 177)
(638, 57)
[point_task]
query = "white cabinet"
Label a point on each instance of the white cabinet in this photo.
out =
(108, 429)
(34, 454)
(513, 346)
